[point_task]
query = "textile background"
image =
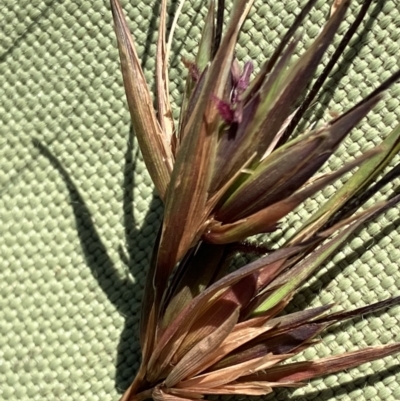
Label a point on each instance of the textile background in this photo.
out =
(77, 210)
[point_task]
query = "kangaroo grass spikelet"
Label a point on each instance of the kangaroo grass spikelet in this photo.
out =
(234, 166)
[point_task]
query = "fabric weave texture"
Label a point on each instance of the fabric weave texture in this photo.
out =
(78, 216)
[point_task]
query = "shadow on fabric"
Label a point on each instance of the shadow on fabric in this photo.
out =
(122, 293)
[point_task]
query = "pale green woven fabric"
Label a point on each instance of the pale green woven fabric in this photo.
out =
(77, 214)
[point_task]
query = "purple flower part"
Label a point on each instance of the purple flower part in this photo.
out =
(240, 81)
(244, 79)
(225, 110)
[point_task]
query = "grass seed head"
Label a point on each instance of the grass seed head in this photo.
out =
(234, 166)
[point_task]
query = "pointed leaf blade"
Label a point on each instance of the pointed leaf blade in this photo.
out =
(266, 219)
(185, 209)
(291, 280)
(302, 371)
(367, 172)
(153, 144)
(193, 360)
(164, 105)
(174, 335)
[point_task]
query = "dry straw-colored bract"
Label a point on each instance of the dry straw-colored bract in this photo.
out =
(229, 169)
